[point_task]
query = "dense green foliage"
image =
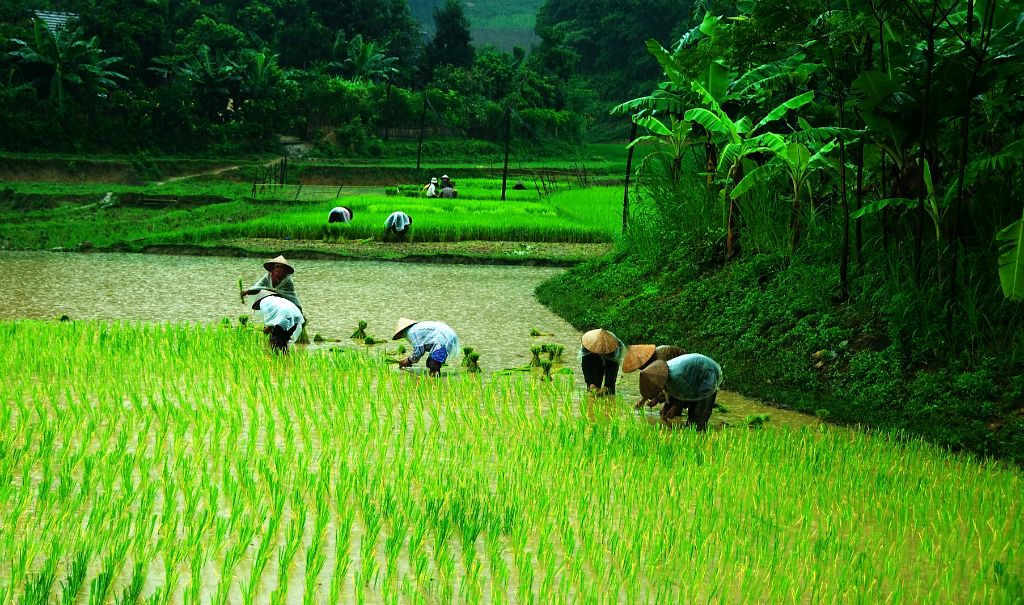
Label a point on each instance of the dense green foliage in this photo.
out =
(233, 76)
(604, 39)
(832, 207)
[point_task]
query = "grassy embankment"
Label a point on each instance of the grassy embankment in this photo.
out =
(266, 475)
(781, 336)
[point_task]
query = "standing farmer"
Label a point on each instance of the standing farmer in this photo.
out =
(281, 319)
(689, 381)
(600, 356)
(431, 187)
(639, 357)
(278, 279)
(432, 337)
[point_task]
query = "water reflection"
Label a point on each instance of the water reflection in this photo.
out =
(492, 308)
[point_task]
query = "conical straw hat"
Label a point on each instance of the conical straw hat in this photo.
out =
(636, 356)
(600, 341)
(260, 296)
(653, 379)
(279, 260)
(403, 323)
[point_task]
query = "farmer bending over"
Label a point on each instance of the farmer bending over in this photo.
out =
(600, 356)
(432, 337)
(278, 279)
(341, 214)
(397, 225)
(281, 319)
(639, 357)
(689, 381)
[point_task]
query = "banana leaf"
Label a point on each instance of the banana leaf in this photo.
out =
(880, 205)
(1011, 260)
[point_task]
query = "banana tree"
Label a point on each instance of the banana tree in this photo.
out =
(935, 206)
(800, 164)
(740, 140)
(670, 139)
(71, 63)
(674, 97)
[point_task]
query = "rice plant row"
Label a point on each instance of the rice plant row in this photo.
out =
(162, 464)
(574, 216)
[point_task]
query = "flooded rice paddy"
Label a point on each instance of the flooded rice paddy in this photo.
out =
(491, 307)
(170, 460)
(172, 463)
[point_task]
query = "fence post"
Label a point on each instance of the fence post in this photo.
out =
(629, 171)
(423, 122)
(508, 140)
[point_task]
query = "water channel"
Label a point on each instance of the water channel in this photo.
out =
(492, 308)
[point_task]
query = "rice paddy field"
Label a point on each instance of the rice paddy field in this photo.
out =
(68, 217)
(159, 463)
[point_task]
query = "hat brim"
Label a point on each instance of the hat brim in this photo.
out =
(269, 266)
(600, 341)
(279, 260)
(653, 379)
(262, 294)
(404, 324)
(636, 357)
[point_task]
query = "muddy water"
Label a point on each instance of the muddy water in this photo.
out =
(492, 308)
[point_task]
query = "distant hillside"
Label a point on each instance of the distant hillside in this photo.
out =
(500, 23)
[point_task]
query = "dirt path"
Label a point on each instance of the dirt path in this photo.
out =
(183, 177)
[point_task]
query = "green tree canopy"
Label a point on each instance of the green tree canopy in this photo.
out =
(451, 44)
(608, 38)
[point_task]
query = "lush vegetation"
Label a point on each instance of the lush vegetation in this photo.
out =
(230, 76)
(207, 215)
(142, 487)
(834, 212)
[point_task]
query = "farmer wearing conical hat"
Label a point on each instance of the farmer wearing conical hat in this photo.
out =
(432, 337)
(281, 319)
(639, 357)
(278, 279)
(601, 354)
(689, 381)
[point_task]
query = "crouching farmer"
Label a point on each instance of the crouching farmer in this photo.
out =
(689, 381)
(433, 337)
(340, 214)
(601, 354)
(639, 357)
(397, 226)
(281, 319)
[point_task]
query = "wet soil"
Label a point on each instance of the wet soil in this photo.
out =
(465, 252)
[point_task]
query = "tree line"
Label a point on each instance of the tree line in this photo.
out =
(174, 75)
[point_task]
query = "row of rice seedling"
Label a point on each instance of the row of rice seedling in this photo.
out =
(186, 464)
(551, 220)
(584, 216)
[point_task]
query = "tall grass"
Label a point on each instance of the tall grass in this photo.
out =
(187, 462)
